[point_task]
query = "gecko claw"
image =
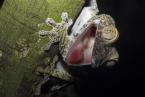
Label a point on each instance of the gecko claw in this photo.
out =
(50, 22)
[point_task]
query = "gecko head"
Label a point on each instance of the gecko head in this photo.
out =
(94, 45)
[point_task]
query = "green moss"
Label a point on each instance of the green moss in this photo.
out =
(19, 19)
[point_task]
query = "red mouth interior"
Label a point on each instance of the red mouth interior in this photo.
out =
(81, 51)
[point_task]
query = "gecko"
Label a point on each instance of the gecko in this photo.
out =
(89, 44)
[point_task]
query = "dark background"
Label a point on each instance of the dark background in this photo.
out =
(1, 3)
(126, 79)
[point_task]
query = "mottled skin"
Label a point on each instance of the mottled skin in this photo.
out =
(54, 65)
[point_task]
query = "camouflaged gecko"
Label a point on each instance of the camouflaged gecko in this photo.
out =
(57, 37)
(89, 44)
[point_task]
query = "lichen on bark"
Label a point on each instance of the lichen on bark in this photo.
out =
(19, 21)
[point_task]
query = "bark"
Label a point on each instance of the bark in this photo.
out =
(18, 36)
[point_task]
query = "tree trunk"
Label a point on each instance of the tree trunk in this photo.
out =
(19, 21)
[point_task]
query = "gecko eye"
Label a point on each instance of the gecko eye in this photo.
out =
(81, 50)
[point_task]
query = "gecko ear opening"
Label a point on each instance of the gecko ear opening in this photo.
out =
(81, 50)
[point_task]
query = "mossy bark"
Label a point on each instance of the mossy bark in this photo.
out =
(19, 21)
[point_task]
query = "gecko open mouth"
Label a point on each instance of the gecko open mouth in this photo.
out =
(82, 49)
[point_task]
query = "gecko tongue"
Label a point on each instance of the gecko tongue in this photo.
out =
(81, 51)
(76, 56)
